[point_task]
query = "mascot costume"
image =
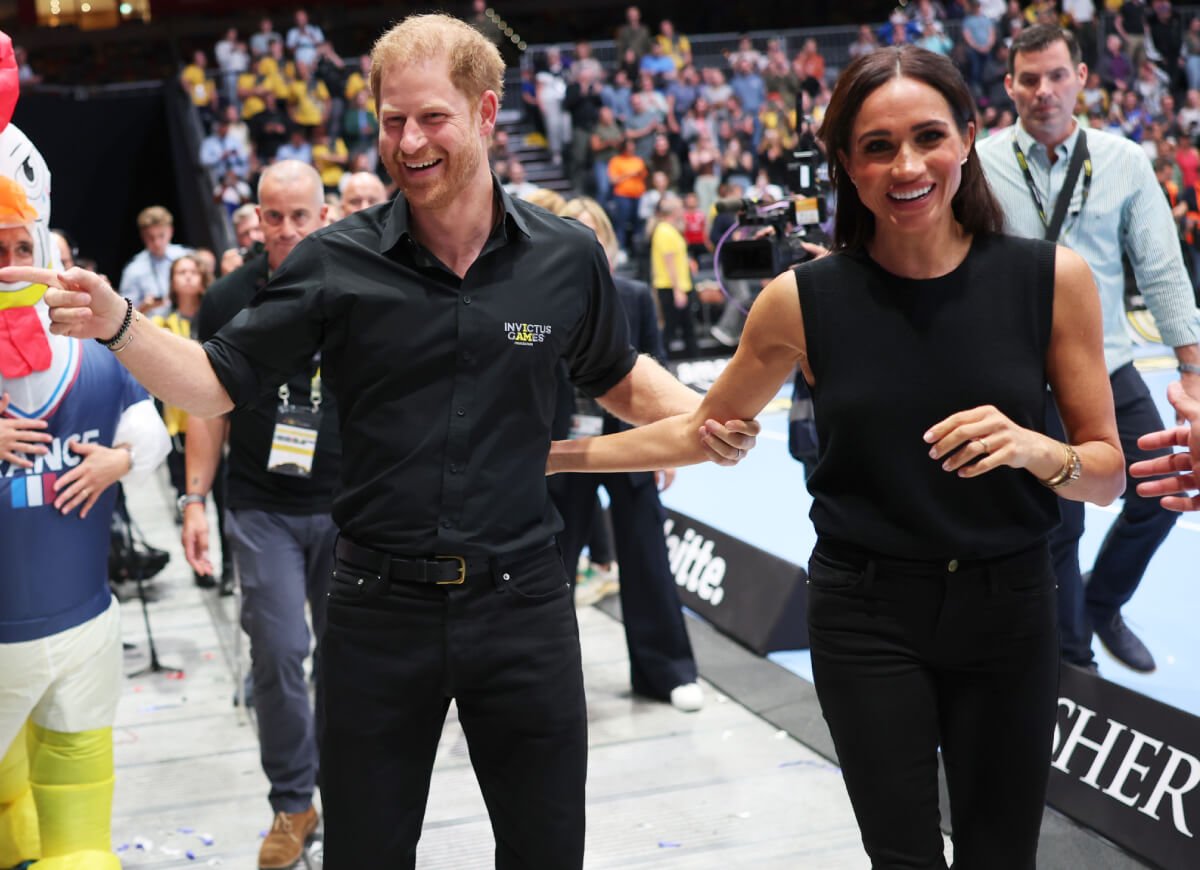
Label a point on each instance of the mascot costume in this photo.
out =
(60, 642)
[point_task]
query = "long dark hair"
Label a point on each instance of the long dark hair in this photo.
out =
(974, 205)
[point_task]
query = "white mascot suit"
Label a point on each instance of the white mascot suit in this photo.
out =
(60, 642)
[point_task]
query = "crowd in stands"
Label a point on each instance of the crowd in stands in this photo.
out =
(659, 121)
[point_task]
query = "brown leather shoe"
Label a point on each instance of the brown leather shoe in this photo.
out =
(285, 841)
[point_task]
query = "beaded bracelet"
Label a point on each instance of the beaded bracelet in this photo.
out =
(112, 343)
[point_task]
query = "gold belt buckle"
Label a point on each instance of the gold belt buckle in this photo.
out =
(462, 572)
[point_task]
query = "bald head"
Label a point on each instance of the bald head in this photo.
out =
(291, 205)
(361, 190)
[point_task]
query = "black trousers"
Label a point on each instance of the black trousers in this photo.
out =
(660, 653)
(678, 321)
(1132, 539)
(908, 657)
(505, 646)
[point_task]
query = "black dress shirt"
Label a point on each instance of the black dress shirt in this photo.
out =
(445, 386)
(252, 425)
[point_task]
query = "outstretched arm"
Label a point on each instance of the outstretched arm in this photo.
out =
(772, 343)
(84, 305)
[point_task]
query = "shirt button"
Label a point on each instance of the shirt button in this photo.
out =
(453, 468)
(952, 566)
(466, 300)
(462, 412)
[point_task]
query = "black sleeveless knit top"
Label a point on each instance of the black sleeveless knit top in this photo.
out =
(892, 356)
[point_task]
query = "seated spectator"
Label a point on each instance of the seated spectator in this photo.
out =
(269, 128)
(248, 238)
(264, 38)
(898, 30)
(253, 87)
(1095, 95)
(1191, 53)
(197, 82)
(308, 98)
(329, 156)
(1189, 115)
(1012, 21)
(675, 45)
(747, 85)
(774, 155)
(779, 79)
(1168, 117)
(745, 51)
(652, 97)
(360, 126)
(933, 38)
(146, 278)
(705, 160)
(518, 185)
(714, 88)
(1150, 84)
(583, 62)
(925, 11)
(643, 125)
(1115, 69)
(1129, 116)
(658, 63)
(303, 38)
(297, 147)
(865, 43)
(681, 95)
(618, 96)
(1187, 158)
(361, 190)
(359, 80)
(223, 151)
(664, 160)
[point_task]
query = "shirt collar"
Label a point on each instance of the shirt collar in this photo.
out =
(1031, 146)
(396, 226)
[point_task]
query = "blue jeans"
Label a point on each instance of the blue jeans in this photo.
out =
(625, 220)
(1132, 540)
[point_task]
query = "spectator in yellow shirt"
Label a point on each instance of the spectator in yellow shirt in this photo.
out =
(197, 82)
(252, 87)
(671, 275)
(329, 156)
(308, 98)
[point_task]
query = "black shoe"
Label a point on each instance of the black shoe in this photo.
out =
(226, 586)
(204, 581)
(1123, 644)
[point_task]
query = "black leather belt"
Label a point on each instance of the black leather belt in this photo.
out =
(438, 570)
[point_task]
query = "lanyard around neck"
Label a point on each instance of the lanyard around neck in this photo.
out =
(1080, 159)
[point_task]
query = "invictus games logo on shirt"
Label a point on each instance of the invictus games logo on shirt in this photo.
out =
(526, 334)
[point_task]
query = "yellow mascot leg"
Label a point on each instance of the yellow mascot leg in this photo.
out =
(18, 813)
(72, 777)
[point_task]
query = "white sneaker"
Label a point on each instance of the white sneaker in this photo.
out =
(687, 698)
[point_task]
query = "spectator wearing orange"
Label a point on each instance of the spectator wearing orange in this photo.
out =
(628, 174)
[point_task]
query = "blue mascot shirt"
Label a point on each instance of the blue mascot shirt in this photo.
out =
(55, 567)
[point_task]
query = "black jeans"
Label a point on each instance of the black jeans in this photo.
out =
(908, 657)
(505, 646)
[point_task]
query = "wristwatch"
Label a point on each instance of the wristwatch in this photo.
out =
(1071, 470)
(189, 498)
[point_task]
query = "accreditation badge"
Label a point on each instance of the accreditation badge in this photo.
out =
(294, 442)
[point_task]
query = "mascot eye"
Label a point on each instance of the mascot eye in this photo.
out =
(28, 169)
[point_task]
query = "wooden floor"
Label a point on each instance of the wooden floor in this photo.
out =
(717, 789)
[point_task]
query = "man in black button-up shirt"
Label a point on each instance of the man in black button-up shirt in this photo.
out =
(440, 319)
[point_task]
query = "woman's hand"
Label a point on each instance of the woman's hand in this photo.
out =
(21, 438)
(85, 483)
(974, 442)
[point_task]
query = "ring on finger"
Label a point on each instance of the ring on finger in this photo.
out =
(983, 443)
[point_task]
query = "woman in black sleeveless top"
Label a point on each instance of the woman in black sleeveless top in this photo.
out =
(929, 340)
